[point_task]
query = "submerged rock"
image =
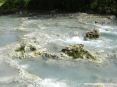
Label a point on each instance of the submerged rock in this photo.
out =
(94, 34)
(21, 48)
(78, 51)
(24, 51)
(27, 49)
(30, 49)
(49, 55)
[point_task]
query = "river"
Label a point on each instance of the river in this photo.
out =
(54, 32)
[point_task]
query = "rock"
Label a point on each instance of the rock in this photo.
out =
(26, 49)
(94, 34)
(78, 51)
(32, 48)
(48, 55)
(21, 48)
(96, 22)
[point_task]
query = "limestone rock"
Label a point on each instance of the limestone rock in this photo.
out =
(94, 34)
(27, 49)
(49, 55)
(78, 51)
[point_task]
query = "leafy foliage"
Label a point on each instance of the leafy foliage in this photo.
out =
(96, 6)
(2, 2)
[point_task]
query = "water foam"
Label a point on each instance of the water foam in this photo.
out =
(23, 76)
(52, 83)
(78, 40)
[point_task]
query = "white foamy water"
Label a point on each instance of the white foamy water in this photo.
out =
(79, 40)
(52, 83)
(53, 34)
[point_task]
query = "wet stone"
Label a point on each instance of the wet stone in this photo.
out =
(94, 34)
(48, 55)
(32, 48)
(78, 51)
(21, 48)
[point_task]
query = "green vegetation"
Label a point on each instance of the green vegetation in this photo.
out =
(90, 6)
(11, 6)
(2, 2)
(104, 6)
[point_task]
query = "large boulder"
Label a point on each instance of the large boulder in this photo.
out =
(78, 51)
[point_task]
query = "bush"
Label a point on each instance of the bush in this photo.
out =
(96, 6)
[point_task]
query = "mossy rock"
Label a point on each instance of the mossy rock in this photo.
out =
(32, 48)
(25, 49)
(21, 48)
(94, 34)
(49, 55)
(78, 51)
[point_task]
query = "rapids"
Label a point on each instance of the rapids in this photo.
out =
(54, 33)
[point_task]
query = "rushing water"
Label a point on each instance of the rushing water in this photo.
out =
(56, 32)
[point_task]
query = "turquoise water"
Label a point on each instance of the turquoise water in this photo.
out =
(53, 34)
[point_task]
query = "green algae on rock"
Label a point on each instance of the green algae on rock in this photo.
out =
(27, 49)
(49, 55)
(78, 52)
(94, 34)
(21, 48)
